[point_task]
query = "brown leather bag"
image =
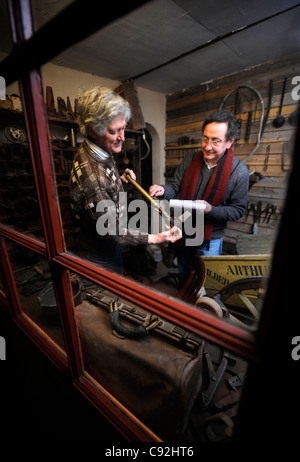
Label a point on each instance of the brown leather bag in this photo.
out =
(151, 366)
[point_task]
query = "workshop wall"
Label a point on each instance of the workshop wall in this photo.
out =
(67, 82)
(270, 163)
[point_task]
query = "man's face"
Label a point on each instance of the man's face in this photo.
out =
(214, 142)
(112, 141)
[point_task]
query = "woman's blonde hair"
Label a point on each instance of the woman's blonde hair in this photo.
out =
(98, 107)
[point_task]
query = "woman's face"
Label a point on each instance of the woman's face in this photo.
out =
(114, 137)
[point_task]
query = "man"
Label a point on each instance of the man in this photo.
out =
(214, 177)
(102, 117)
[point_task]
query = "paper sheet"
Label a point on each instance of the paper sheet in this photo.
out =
(185, 204)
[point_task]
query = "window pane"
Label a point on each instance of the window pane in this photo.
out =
(172, 380)
(44, 11)
(3, 294)
(33, 280)
(19, 206)
(63, 136)
(5, 33)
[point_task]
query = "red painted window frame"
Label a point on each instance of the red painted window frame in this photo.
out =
(28, 75)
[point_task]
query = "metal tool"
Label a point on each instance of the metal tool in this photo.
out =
(152, 201)
(269, 106)
(267, 157)
(261, 118)
(215, 377)
(268, 212)
(280, 120)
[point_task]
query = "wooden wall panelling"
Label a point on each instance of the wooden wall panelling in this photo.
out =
(187, 110)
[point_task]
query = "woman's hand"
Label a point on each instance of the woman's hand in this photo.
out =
(128, 172)
(171, 235)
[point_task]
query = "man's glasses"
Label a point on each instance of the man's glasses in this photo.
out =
(213, 141)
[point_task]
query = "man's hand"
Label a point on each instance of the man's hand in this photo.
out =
(156, 190)
(207, 208)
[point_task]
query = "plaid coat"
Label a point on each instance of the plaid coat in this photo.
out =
(93, 180)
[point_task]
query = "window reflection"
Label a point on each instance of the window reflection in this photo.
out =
(45, 11)
(5, 33)
(178, 384)
(19, 206)
(33, 280)
(3, 295)
(64, 136)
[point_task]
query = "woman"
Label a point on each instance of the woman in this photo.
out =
(102, 116)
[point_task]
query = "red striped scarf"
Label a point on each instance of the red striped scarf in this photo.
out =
(215, 188)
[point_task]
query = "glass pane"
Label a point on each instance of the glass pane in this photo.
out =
(83, 185)
(44, 11)
(173, 129)
(5, 33)
(179, 385)
(35, 290)
(19, 206)
(63, 136)
(3, 306)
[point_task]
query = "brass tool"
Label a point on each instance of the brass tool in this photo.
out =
(151, 200)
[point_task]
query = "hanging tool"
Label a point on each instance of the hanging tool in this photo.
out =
(239, 120)
(268, 212)
(293, 118)
(267, 158)
(284, 153)
(249, 122)
(280, 120)
(147, 146)
(261, 118)
(269, 106)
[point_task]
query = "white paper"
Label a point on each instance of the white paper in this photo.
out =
(185, 204)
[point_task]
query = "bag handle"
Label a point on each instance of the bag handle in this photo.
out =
(131, 332)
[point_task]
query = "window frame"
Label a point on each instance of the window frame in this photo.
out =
(26, 42)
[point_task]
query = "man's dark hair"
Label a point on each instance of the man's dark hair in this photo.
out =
(220, 116)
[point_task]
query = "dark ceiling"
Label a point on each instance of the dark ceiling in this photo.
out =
(169, 45)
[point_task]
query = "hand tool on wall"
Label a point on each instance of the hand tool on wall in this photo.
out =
(280, 120)
(257, 210)
(293, 118)
(268, 212)
(284, 153)
(261, 118)
(267, 157)
(269, 106)
(249, 122)
(236, 108)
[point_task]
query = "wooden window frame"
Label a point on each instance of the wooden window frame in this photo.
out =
(23, 65)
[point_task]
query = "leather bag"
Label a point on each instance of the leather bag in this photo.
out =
(151, 366)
